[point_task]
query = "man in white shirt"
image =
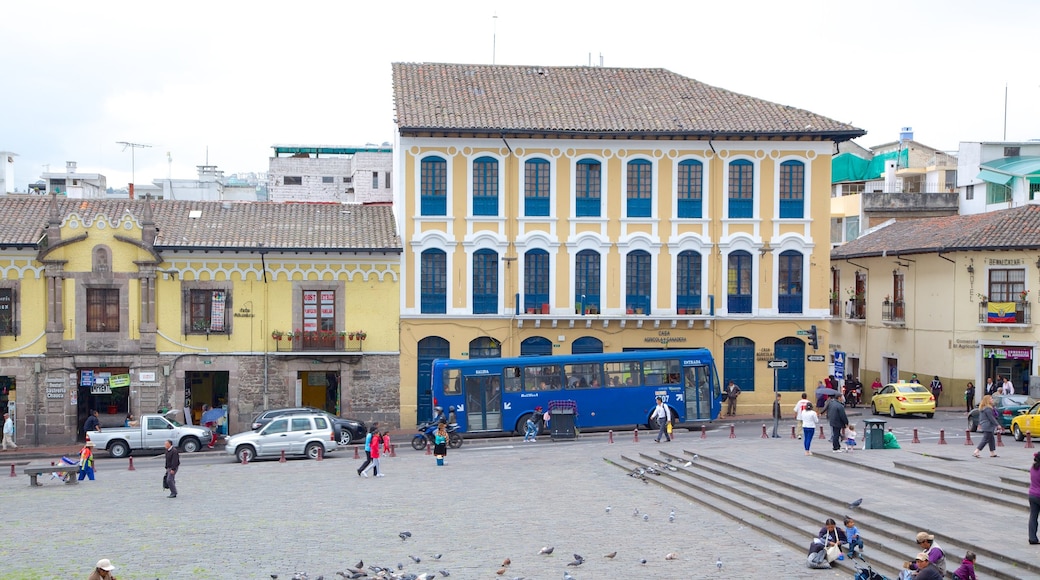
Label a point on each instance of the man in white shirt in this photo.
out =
(663, 415)
(1008, 388)
(8, 439)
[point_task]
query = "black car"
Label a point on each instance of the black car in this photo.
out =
(350, 430)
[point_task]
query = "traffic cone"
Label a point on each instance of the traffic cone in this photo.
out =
(131, 468)
(942, 436)
(282, 458)
(764, 436)
(967, 437)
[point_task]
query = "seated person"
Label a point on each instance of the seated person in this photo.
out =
(817, 557)
(832, 535)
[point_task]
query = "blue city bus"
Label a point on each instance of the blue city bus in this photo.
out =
(609, 389)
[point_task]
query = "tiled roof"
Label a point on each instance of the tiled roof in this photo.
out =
(596, 100)
(246, 225)
(1010, 229)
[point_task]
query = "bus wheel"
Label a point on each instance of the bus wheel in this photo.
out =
(521, 424)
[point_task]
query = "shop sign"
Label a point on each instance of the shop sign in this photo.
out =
(1008, 353)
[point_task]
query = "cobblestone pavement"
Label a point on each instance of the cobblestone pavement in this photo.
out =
(496, 500)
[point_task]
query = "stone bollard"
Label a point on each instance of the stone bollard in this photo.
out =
(1029, 440)
(732, 432)
(393, 451)
(999, 442)
(429, 448)
(610, 436)
(915, 440)
(942, 436)
(764, 436)
(12, 471)
(321, 453)
(357, 455)
(131, 468)
(967, 437)
(282, 458)
(793, 436)
(245, 460)
(635, 435)
(704, 432)
(822, 436)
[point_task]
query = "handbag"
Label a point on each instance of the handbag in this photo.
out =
(165, 484)
(832, 553)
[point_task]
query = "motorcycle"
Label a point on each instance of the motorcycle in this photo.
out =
(853, 396)
(428, 430)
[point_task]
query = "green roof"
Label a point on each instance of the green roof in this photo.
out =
(1014, 166)
(848, 167)
(994, 177)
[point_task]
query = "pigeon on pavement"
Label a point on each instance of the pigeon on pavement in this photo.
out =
(718, 563)
(546, 550)
(671, 556)
(610, 555)
(404, 535)
(855, 504)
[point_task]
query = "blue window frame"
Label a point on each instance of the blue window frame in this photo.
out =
(739, 283)
(792, 190)
(536, 188)
(485, 186)
(536, 279)
(637, 281)
(434, 282)
(586, 283)
(587, 186)
(688, 282)
(485, 282)
(433, 184)
(741, 189)
(640, 187)
(691, 188)
(739, 363)
(790, 289)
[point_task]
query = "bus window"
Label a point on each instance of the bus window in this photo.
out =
(622, 374)
(542, 378)
(657, 373)
(452, 382)
(581, 376)
(513, 383)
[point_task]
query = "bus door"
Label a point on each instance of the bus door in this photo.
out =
(698, 393)
(483, 403)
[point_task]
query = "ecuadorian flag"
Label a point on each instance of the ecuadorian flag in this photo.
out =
(1001, 312)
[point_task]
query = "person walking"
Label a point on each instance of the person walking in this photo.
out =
(363, 470)
(440, 441)
(173, 463)
(92, 423)
(1034, 498)
(777, 413)
(936, 388)
(969, 397)
(103, 570)
(798, 408)
(838, 420)
(988, 424)
(732, 392)
(663, 415)
(86, 461)
(377, 440)
(8, 432)
(809, 423)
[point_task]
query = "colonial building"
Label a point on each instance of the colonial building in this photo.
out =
(573, 209)
(131, 306)
(331, 173)
(946, 296)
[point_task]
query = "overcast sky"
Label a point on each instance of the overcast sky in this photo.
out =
(237, 77)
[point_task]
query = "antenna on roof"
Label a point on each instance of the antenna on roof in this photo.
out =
(494, 35)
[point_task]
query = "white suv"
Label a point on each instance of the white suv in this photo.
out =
(302, 434)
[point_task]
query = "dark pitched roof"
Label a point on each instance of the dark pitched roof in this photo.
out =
(590, 100)
(220, 225)
(1010, 229)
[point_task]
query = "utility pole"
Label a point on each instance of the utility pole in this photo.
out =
(133, 163)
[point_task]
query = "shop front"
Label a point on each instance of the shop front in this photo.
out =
(1013, 362)
(105, 390)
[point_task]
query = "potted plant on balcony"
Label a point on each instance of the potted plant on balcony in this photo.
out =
(982, 298)
(362, 335)
(277, 334)
(887, 300)
(1023, 296)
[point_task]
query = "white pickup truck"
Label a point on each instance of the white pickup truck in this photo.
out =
(152, 433)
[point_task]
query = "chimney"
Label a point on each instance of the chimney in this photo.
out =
(70, 167)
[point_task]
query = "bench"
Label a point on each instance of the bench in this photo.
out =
(35, 470)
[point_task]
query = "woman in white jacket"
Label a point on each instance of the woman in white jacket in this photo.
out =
(810, 420)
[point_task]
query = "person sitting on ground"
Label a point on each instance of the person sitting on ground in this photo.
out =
(925, 569)
(103, 570)
(852, 533)
(967, 569)
(832, 535)
(817, 557)
(934, 555)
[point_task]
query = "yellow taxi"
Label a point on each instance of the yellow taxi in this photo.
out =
(1027, 422)
(903, 399)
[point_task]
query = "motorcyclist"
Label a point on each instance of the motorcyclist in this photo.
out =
(853, 391)
(451, 416)
(438, 415)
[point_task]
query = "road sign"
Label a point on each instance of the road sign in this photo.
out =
(816, 358)
(777, 364)
(801, 332)
(839, 365)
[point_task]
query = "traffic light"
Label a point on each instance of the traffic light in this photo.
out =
(814, 339)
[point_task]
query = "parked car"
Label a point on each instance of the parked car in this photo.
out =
(903, 399)
(1007, 406)
(1026, 422)
(151, 434)
(348, 430)
(295, 434)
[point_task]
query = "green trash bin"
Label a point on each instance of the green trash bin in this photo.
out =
(873, 434)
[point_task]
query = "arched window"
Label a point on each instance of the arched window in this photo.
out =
(433, 186)
(792, 190)
(739, 283)
(586, 278)
(790, 282)
(485, 186)
(691, 188)
(688, 282)
(434, 281)
(536, 188)
(536, 346)
(587, 186)
(485, 347)
(739, 363)
(638, 281)
(640, 188)
(587, 345)
(485, 282)
(101, 261)
(536, 279)
(741, 189)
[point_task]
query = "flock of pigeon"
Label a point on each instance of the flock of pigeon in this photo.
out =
(640, 473)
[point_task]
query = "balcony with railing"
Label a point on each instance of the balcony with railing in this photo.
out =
(856, 309)
(319, 341)
(893, 311)
(836, 307)
(998, 313)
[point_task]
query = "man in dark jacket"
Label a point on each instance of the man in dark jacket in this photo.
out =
(173, 463)
(838, 420)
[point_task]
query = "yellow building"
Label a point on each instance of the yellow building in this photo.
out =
(550, 210)
(132, 306)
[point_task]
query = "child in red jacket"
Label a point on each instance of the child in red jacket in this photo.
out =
(377, 441)
(967, 569)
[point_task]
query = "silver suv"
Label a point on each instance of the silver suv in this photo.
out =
(300, 434)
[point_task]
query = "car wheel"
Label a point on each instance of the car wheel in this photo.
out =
(118, 449)
(315, 450)
(892, 411)
(344, 437)
(929, 415)
(190, 445)
(245, 454)
(873, 409)
(1019, 435)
